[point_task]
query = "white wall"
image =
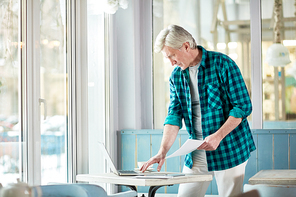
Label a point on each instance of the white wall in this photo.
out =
(133, 32)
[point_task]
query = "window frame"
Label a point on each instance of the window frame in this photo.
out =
(30, 136)
(29, 108)
(256, 64)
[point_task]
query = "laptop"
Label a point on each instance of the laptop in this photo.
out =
(138, 174)
(112, 166)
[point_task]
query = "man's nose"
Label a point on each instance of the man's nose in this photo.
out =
(173, 62)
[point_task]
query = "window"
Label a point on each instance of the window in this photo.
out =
(9, 91)
(40, 91)
(53, 90)
(36, 78)
(279, 81)
(225, 26)
(96, 83)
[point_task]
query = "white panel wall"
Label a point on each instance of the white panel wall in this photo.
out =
(133, 34)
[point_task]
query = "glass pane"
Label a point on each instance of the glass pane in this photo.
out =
(96, 83)
(9, 80)
(53, 88)
(222, 26)
(279, 76)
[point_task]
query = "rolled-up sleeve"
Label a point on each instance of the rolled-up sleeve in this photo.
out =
(174, 116)
(173, 120)
(238, 93)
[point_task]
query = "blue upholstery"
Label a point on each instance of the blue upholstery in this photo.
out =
(93, 190)
(63, 190)
(76, 190)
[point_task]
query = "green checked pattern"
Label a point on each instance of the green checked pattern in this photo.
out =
(222, 93)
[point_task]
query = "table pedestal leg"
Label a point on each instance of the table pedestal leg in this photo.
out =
(153, 189)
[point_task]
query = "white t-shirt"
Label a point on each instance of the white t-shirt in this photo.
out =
(198, 155)
(196, 114)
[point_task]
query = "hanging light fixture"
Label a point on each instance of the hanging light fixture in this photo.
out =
(277, 54)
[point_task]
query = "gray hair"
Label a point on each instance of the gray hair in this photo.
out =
(173, 36)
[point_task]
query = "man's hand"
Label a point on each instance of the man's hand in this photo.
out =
(169, 136)
(159, 158)
(211, 142)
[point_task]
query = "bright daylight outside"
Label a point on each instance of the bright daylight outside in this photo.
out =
(9, 83)
(53, 84)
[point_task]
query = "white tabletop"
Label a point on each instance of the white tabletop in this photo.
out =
(131, 180)
(274, 177)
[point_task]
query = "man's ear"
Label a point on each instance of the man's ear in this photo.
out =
(187, 46)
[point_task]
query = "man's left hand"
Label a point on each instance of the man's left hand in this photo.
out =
(211, 142)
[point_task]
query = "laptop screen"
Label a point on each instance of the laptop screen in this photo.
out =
(107, 156)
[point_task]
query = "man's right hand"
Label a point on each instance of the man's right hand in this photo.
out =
(159, 158)
(169, 136)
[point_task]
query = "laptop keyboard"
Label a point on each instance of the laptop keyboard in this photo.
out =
(128, 171)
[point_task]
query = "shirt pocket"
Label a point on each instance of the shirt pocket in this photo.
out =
(214, 99)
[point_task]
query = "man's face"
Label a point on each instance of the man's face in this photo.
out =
(179, 57)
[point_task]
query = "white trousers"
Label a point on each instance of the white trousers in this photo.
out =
(229, 182)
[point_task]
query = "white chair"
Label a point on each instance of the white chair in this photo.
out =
(272, 190)
(76, 190)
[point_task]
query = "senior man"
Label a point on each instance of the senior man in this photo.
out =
(208, 92)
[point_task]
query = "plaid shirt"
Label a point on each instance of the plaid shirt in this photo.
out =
(222, 93)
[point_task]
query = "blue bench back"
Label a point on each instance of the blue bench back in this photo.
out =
(276, 149)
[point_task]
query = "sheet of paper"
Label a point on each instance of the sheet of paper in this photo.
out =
(189, 146)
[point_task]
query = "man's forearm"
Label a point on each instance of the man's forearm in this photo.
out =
(230, 124)
(170, 133)
(212, 141)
